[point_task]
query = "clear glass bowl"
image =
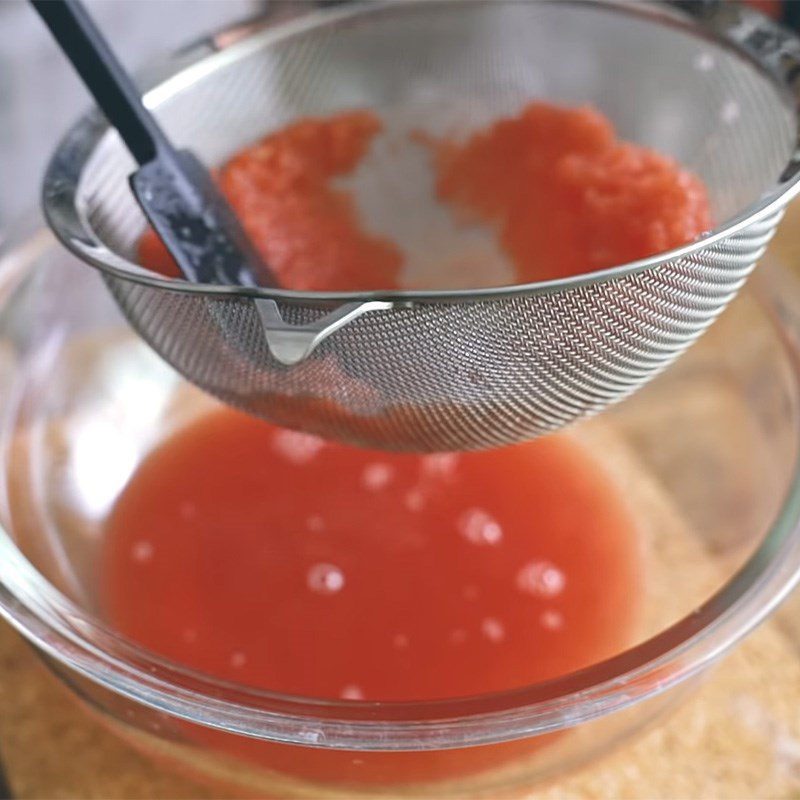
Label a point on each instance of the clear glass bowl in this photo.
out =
(707, 456)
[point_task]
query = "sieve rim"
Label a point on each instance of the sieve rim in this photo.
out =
(754, 37)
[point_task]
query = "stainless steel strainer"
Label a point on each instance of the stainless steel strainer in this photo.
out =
(711, 84)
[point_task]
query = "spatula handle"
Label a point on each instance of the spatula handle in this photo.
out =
(175, 191)
(105, 77)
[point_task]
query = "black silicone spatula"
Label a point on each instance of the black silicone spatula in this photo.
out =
(174, 189)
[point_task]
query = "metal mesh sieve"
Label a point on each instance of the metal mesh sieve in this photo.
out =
(455, 369)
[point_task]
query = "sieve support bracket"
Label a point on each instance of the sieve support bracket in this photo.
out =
(291, 344)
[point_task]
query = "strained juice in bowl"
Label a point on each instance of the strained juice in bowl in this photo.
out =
(313, 569)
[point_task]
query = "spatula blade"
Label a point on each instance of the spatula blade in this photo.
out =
(196, 223)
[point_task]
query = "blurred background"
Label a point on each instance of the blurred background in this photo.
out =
(40, 95)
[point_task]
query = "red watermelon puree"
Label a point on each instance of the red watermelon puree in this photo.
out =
(564, 194)
(307, 231)
(567, 197)
(276, 560)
